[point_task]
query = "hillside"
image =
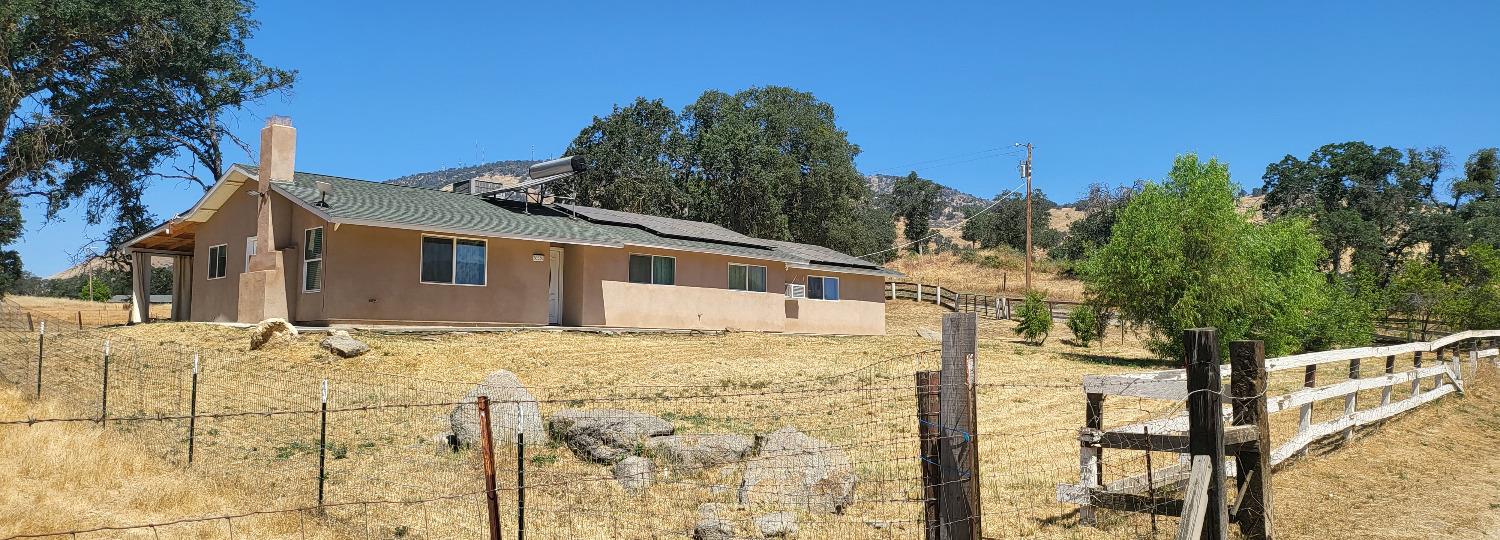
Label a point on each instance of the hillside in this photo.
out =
(950, 201)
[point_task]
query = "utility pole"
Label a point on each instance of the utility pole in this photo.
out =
(1026, 170)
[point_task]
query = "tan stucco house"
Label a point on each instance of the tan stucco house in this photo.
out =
(322, 250)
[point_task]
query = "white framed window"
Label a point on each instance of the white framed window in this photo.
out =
(653, 269)
(822, 288)
(747, 277)
(249, 251)
(449, 260)
(312, 260)
(218, 259)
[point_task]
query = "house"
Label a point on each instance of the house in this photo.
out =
(322, 250)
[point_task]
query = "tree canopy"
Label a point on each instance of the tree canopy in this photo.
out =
(1181, 256)
(1005, 223)
(914, 200)
(100, 97)
(1100, 207)
(769, 162)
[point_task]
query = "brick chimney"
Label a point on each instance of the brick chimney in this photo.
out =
(278, 151)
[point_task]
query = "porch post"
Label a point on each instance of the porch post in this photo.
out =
(182, 287)
(140, 287)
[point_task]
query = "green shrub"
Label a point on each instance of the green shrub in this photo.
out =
(1034, 319)
(99, 292)
(1084, 322)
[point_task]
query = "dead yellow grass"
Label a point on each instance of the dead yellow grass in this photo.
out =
(66, 476)
(1030, 406)
(948, 270)
(95, 314)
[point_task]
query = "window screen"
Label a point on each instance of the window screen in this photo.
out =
(737, 277)
(470, 266)
(437, 260)
(640, 269)
(663, 270)
(312, 260)
(758, 278)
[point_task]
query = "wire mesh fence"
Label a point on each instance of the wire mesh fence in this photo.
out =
(397, 456)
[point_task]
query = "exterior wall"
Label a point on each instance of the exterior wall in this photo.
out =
(859, 310)
(218, 299)
(306, 307)
(598, 292)
(372, 276)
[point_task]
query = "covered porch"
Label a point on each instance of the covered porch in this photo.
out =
(173, 240)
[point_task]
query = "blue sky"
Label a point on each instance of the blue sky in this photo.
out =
(1108, 92)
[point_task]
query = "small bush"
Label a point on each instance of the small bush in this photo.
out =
(1084, 322)
(1034, 320)
(96, 291)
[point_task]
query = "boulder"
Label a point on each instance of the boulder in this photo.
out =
(930, 334)
(634, 473)
(700, 451)
(505, 392)
(606, 435)
(798, 471)
(710, 526)
(777, 524)
(340, 343)
(271, 330)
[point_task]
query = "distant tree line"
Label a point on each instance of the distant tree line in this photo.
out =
(1352, 234)
(106, 284)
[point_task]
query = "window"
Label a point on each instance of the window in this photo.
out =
(453, 261)
(312, 260)
(653, 269)
(218, 259)
(744, 277)
(249, 251)
(822, 288)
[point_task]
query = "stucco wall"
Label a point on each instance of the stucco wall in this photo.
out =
(860, 308)
(598, 292)
(218, 299)
(372, 275)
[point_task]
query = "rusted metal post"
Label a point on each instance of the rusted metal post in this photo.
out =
(1205, 405)
(322, 439)
(1247, 382)
(104, 389)
(30, 327)
(927, 433)
(41, 350)
(193, 409)
(487, 449)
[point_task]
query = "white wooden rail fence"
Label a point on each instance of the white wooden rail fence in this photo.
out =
(1447, 375)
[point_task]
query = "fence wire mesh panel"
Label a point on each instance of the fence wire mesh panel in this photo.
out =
(397, 452)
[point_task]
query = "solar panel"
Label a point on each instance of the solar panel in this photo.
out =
(679, 228)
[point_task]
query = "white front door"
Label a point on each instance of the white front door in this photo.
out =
(555, 289)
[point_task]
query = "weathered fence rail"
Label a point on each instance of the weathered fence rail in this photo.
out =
(983, 305)
(1437, 368)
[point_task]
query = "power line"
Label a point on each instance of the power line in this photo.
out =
(999, 198)
(938, 161)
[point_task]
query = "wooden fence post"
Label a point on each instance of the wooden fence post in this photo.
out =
(1304, 417)
(958, 450)
(1437, 380)
(80, 320)
(1205, 407)
(1416, 383)
(1390, 368)
(1247, 381)
(30, 326)
(928, 385)
(487, 450)
(1350, 400)
(919, 291)
(1091, 455)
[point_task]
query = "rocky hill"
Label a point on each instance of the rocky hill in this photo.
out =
(950, 201)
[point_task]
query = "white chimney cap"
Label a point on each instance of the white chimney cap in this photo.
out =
(278, 120)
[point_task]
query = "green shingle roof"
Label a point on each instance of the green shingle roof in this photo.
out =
(363, 202)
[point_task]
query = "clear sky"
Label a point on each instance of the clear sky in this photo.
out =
(1108, 92)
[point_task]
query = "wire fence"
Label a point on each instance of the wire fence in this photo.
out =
(384, 455)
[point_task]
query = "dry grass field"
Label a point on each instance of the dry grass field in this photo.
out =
(94, 314)
(948, 270)
(1402, 481)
